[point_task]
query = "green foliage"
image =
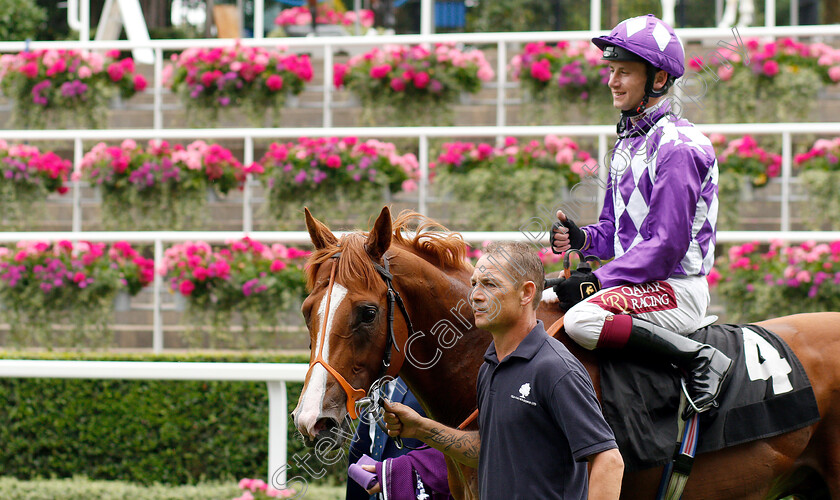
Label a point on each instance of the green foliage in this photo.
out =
(20, 19)
(823, 203)
(80, 488)
(514, 201)
(141, 431)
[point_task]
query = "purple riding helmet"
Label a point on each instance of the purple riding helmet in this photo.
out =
(649, 40)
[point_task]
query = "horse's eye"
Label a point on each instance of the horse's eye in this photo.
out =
(369, 314)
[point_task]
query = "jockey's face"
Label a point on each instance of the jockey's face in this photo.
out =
(627, 83)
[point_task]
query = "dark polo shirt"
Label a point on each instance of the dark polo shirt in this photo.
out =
(539, 420)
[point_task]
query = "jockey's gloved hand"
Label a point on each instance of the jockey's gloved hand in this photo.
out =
(581, 284)
(574, 236)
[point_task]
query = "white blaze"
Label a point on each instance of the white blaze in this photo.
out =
(312, 399)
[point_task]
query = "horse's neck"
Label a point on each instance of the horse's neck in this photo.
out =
(446, 388)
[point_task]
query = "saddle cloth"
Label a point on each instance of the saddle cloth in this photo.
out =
(767, 393)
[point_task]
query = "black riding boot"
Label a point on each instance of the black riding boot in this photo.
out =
(707, 367)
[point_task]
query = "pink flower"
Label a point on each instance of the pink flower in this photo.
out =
(770, 68)
(541, 70)
(277, 266)
(30, 70)
(84, 72)
(115, 72)
(725, 72)
(79, 277)
(333, 161)
(186, 287)
(834, 73)
(140, 83)
(339, 70)
(409, 185)
(713, 277)
(274, 83)
(380, 71)
(398, 84)
(421, 79)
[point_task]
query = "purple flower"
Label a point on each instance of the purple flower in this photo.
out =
(300, 177)
(318, 176)
(224, 100)
(812, 292)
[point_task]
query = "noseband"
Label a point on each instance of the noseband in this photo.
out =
(394, 357)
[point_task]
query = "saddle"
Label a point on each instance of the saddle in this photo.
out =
(767, 393)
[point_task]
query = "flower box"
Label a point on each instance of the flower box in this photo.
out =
(491, 188)
(777, 82)
(412, 85)
(820, 175)
(252, 80)
(66, 88)
(756, 282)
(43, 283)
(27, 176)
(343, 179)
(159, 186)
(244, 280)
(564, 83)
(297, 21)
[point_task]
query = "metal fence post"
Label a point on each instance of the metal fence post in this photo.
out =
(278, 427)
(786, 175)
(157, 315)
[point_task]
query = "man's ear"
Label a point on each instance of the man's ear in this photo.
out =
(528, 293)
(660, 79)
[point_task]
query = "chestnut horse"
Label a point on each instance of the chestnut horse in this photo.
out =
(349, 329)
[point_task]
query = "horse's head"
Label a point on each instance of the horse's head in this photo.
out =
(346, 313)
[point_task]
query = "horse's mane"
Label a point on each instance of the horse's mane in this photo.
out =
(431, 241)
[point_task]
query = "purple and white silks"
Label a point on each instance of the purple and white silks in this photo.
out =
(661, 204)
(398, 476)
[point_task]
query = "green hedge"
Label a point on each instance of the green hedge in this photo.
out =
(172, 432)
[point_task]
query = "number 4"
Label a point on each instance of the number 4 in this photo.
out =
(763, 362)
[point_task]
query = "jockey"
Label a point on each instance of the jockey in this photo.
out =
(657, 223)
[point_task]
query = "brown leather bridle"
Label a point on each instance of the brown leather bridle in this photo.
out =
(394, 356)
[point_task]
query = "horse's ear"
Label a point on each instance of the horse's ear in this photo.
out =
(319, 233)
(379, 239)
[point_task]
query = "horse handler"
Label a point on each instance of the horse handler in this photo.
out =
(539, 420)
(657, 223)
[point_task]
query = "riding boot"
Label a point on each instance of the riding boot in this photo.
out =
(706, 366)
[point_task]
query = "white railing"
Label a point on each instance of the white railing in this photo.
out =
(327, 46)
(274, 374)
(602, 132)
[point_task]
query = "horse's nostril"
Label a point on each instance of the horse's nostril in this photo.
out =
(324, 425)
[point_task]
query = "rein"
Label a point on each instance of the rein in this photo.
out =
(392, 363)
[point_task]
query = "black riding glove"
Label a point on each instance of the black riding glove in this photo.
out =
(578, 286)
(577, 238)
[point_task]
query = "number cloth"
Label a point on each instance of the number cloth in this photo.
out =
(539, 420)
(767, 393)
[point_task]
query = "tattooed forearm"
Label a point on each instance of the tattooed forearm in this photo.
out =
(463, 446)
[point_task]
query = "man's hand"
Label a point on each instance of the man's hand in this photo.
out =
(376, 488)
(401, 420)
(575, 288)
(462, 446)
(565, 234)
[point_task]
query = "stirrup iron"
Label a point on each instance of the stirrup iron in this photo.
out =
(711, 404)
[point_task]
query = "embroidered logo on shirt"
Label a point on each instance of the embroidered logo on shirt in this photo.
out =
(524, 392)
(635, 299)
